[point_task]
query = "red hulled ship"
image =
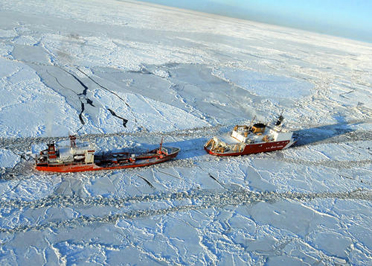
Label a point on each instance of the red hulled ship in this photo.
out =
(81, 157)
(250, 139)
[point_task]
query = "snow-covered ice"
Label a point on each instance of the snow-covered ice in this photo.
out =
(127, 73)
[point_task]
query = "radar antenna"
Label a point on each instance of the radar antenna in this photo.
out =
(280, 119)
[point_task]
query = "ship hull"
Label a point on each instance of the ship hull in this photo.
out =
(141, 161)
(254, 148)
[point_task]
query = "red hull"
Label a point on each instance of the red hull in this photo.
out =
(253, 148)
(81, 167)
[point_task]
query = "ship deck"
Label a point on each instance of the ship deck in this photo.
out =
(229, 140)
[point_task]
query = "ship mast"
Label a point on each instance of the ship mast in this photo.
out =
(72, 141)
(280, 119)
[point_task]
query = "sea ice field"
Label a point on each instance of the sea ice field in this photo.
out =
(125, 74)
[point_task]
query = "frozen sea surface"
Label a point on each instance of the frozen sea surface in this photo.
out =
(125, 74)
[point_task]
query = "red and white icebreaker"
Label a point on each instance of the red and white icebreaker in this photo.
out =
(254, 138)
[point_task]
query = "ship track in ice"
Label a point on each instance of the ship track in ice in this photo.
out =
(200, 200)
(24, 168)
(339, 135)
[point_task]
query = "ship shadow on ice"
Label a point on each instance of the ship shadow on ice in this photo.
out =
(325, 133)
